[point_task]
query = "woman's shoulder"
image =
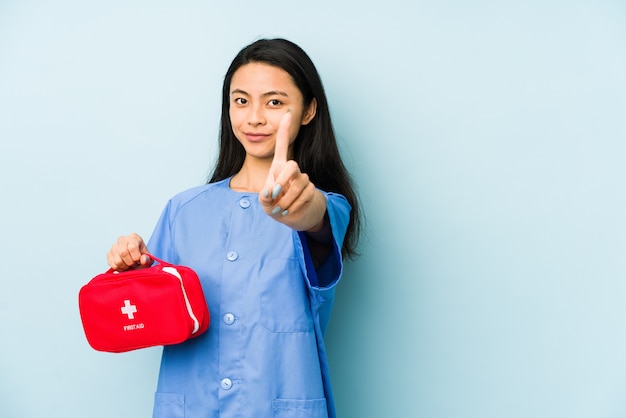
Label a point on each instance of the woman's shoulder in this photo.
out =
(192, 194)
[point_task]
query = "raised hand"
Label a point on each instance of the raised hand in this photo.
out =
(289, 196)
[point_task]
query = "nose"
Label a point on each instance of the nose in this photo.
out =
(256, 116)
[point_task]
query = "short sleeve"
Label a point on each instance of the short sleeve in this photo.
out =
(322, 282)
(160, 243)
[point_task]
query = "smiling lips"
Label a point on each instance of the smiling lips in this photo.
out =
(255, 137)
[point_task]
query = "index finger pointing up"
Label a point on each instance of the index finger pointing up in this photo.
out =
(282, 138)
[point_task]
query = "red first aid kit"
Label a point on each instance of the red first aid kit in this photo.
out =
(159, 305)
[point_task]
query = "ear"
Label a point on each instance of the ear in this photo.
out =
(309, 114)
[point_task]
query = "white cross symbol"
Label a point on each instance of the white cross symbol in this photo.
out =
(129, 309)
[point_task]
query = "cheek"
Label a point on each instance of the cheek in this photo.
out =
(237, 116)
(296, 125)
(233, 118)
(235, 124)
(293, 133)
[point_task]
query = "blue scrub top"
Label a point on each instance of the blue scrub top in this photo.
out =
(263, 355)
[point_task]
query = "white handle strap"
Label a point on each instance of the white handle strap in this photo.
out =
(174, 272)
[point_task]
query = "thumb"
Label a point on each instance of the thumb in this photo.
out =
(145, 260)
(269, 193)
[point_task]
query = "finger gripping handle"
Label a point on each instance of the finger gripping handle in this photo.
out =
(153, 258)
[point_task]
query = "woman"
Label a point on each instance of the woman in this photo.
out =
(266, 236)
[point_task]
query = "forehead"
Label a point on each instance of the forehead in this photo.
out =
(259, 78)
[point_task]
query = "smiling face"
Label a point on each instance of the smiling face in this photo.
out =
(260, 94)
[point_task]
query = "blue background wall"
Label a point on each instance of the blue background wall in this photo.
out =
(488, 141)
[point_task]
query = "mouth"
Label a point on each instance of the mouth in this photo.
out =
(255, 137)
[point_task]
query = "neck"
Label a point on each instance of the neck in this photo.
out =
(252, 176)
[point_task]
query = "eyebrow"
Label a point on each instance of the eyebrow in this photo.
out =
(269, 93)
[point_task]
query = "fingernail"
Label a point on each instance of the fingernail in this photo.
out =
(285, 212)
(276, 210)
(276, 191)
(265, 193)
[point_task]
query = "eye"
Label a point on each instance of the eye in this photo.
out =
(275, 103)
(240, 101)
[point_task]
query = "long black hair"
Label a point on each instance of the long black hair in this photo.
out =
(315, 148)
